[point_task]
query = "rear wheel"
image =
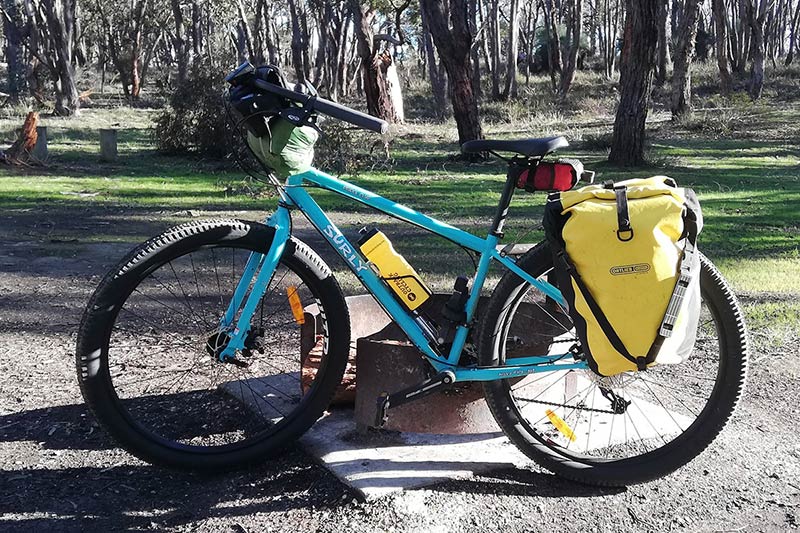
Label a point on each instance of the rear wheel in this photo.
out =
(580, 425)
(149, 344)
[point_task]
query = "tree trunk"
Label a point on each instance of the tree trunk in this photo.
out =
(60, 15)
(197, 32)
(608, 43)
(374, 66)
(437, 78)
(663, 43)
(756, 15)
(245, 28)
(568, 74)
(473, 7)
(306, 41)
(14, 27)
(297, 43)
(179, 42)
(636, 78)
(511, 52)
(681, 101)
(553, 44)
(793, 36)
(483, 47)
(494, 45)
(136, 48)
(453, 41)
(743, 36)
(721, 30)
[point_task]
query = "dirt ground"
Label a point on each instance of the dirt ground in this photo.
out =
(59, 472)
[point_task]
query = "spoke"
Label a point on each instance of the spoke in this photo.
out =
(564, 405)
(526, 383)
(575, 410)
(279, 369)
(174, 336)
(194, 271)
(543, 391)
(181, 377)
(265, 382)
(185, 303)
(678, 398)
(176, 311)
(186, 296)
(611, 431)
(591, 416)
(647, 419)
(258, 403)
(216, 274)
(142, 380)
(555, 322)
(664, 407)
(254, 393)
(269, 293)
(675, 388)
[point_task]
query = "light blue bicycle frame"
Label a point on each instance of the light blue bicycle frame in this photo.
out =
(294, 195)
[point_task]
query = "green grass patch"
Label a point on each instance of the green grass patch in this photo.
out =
(770, 275)
(748, 180)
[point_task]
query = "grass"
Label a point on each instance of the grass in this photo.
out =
(742, 159)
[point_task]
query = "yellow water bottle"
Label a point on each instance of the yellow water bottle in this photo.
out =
(393, 269)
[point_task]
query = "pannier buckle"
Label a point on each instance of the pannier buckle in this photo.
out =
(628, 231)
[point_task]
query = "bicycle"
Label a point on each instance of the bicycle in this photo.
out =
(189, 350)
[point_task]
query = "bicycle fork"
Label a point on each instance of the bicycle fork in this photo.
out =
(264, 265)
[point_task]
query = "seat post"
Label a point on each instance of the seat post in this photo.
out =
(505, 200)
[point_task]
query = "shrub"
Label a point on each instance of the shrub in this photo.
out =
(195, 120)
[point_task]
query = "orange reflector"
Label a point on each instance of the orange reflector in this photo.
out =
(297, 307)
(560, 425)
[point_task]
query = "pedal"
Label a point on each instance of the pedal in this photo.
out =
(409, 394)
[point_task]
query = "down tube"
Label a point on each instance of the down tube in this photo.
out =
(370, 280)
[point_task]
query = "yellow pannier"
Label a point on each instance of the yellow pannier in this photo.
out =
(626, 263)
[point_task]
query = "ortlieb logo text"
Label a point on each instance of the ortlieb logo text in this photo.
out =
(629, 269)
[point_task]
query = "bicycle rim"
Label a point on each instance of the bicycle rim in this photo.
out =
(585, 418)
(163, 353)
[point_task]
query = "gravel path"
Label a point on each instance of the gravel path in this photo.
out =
(61, 473)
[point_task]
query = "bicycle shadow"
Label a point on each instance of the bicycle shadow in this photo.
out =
(525, 482)
(116, 492)
(132, 497)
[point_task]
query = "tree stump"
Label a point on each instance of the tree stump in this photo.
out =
(20, 152)
(108, 144)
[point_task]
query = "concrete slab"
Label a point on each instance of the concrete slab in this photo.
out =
(381, 462)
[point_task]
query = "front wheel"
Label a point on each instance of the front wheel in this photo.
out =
(576, 423)
(149, 345)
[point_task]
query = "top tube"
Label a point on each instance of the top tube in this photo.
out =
(375, 201)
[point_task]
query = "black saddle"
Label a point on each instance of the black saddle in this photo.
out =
(526, 147)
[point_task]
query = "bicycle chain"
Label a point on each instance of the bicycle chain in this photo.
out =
(554, 404)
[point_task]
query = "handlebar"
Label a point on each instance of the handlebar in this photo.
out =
(332, 109)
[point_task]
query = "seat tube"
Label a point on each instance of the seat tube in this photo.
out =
(502, 207)
(471, 306)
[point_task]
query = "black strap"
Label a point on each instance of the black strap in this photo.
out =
(625, 232)
(602, 320)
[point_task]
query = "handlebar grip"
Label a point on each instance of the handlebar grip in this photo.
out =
(332, 109)
(357, 118)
